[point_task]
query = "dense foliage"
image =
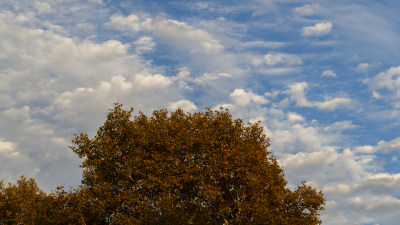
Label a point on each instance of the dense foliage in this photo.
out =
(171, 168)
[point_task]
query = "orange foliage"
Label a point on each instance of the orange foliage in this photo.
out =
(171, 168)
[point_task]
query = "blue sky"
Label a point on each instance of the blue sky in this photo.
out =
(322, 76)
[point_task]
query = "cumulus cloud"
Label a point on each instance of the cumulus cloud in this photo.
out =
(389, 80)
(289, 132)
(183, 79)
(58, 63)
(370, 197)
(182, 35)
(243, 98)
(199, 49)
(328, 73)
(132, 22)
(326, 166)
(319, 29)
(144, 89)
(297, 94)
(53, 85)
(380, 184)
(382, 146)
(185, 105)
(144, 44)
(297, 137)
(295, 117)
(148, 81)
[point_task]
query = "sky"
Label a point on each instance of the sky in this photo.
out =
(323, 77)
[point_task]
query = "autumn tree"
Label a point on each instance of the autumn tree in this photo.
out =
(182, 168)
(25, 203)
(19, 203)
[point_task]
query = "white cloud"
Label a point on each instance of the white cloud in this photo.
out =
(297, 137)
(328, 73)
(7, 147)
(10, 157)
(341, 125)
(202, 5)
(376, 95)
(224, 106)
(105, 50)
(200, 50)
(297, 94)
(86, 26)
(243, 98)
(324, 166)
(144, 44)
(53, 85)
(365, 149)
(182, 35)
(208, 78)
(148, 81)
(319, 29)
(96, 1)
(389, 80)
(58, 63)
(370, 198)
(332, 104)
(133, 22)
(289, 132)
(31, 149)
(273, 59)
(183, 78)
(43, 7)
(294, 117)
(185, 105)
(307, 10)
(262, 44)
(380, 184)
(280, 70)
(382, 146)
(89, 103)
(363, 67)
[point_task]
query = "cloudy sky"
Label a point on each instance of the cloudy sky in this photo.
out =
(322, 76)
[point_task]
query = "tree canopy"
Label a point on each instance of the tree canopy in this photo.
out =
(170, 168)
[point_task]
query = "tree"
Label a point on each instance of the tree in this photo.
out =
(19, 203)
(25, 203)
(182, 168)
